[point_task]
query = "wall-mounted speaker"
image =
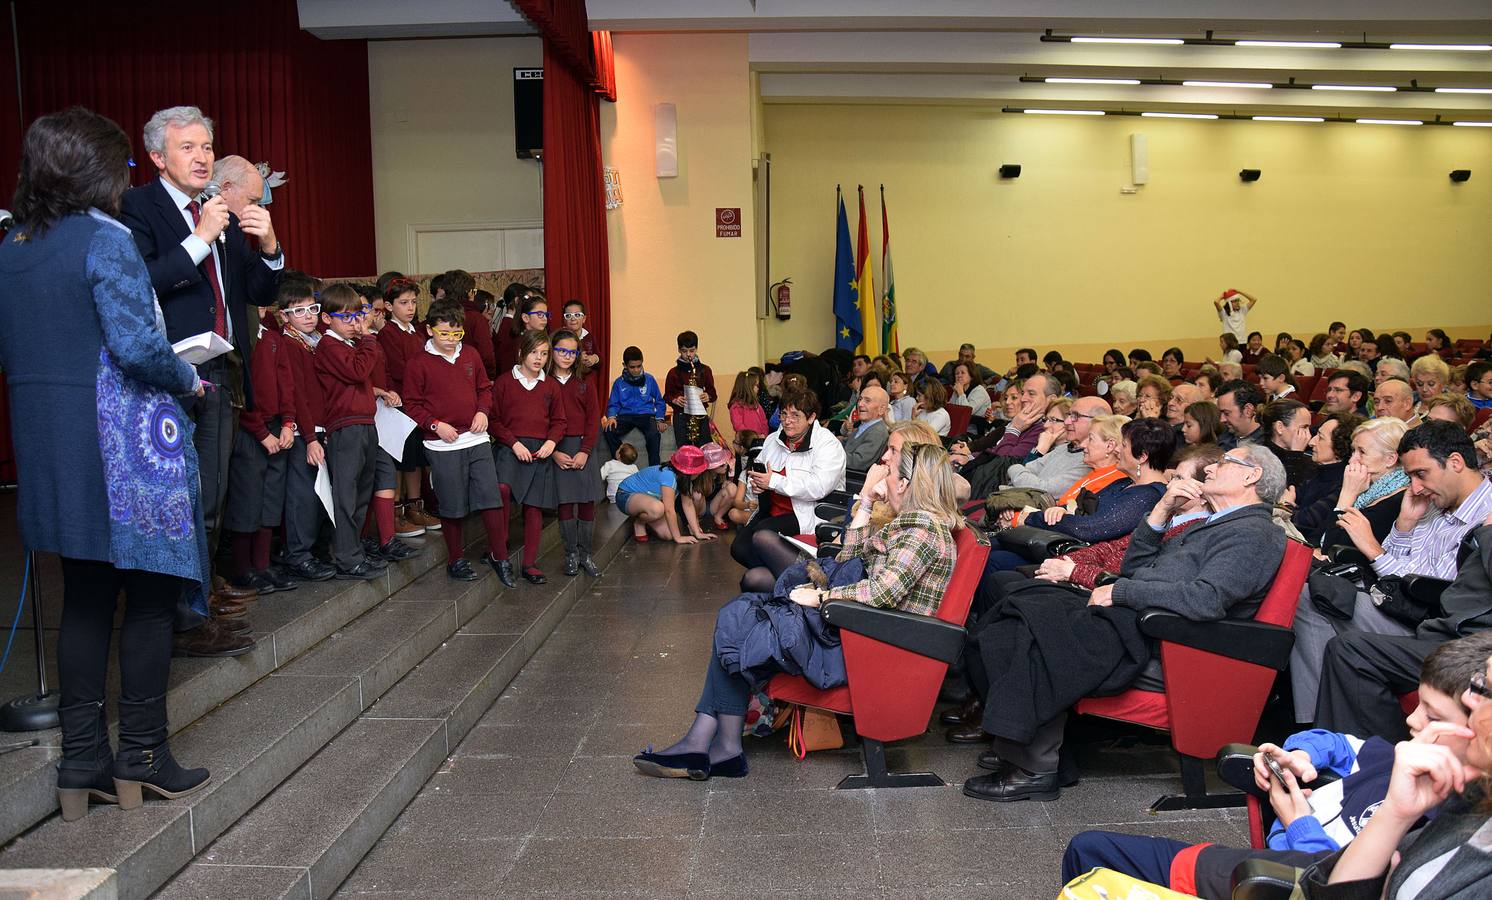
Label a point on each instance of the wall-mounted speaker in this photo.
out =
(528, 113)
(1460, 175)
(1247, 175)
(1139, 159)
(1010, 170)
(666, 140)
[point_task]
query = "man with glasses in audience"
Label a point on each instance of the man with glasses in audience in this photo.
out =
(1346, 392)
(207, 274)
(1221, 568)
(1446, 499)
(1061, 465)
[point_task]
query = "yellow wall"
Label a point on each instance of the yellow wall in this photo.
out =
(669, 272)
(1348, 221)
(442, 123)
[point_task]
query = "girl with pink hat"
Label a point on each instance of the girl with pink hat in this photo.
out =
(649, 498)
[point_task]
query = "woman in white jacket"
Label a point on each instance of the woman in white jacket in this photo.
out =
(799, 464)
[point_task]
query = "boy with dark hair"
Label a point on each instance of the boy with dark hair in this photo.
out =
(296, 367)
(1479, 384)
(447, 393)
(635, 402)
(690, 389)
(345, 359)
(461, 287)
(437, 288)
(1274, 377)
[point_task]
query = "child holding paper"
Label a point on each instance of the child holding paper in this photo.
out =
(383, 521)
(447, 393)
(402, 340)
(296, 367)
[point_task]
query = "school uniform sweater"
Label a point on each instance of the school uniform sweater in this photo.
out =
(399, 347)
(273, 396)
(531, 413)
(581, 416)
(297, 368)
(439, 390)
(678, 376)
(345, 372)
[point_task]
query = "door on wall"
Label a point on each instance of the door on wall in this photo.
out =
(476, 246)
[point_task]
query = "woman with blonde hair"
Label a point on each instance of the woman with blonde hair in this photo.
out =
(906, 564)
(1430, 376)
(1372, 487)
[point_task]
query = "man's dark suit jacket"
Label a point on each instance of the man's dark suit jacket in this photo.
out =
(185, 294)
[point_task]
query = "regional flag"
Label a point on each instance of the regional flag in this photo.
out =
(847, 333)
(890, 340)
(865, 296)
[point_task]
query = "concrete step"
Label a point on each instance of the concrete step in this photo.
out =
(306, 836)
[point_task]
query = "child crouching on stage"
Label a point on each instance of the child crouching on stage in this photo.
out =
(447, 393)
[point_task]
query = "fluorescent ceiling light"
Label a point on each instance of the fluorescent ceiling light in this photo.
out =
(1064, 112)
(1288, 119)
(1092, 80)
(1126, 40)
(1463, 90)
(1176, 115)
(1383, 89)
(1229, 84)
(1326, 45)
(1474, 124)
(1388, 122)
(1440, 46)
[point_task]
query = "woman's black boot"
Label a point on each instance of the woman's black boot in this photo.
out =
(85, 771)
(145, 761)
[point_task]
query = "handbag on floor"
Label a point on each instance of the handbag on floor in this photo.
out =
(1107, 884)
(813, 729)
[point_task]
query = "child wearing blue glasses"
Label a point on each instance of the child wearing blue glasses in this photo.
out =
(577, 465)
(345, 359)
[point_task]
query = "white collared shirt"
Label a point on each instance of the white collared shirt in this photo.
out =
(333, 334)
(407, 329)
(528, 384)
(565, 378)
(435, 351)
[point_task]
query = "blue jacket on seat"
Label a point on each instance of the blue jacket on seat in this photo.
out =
(759, 635)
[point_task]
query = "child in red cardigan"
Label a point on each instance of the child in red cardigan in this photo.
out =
(297, 368)
(528, 420)
(403, 339)
(447, 393)
(578, 468)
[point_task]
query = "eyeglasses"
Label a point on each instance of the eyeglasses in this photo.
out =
(1479, 687)
(352, 316)
(310, 310)
(1054, 420)
(561, 351)
(449, 334)
(1074, 416)
(538, 314)
(1238, 462)
(574, 315)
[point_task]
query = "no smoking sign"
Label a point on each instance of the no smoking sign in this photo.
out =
(727, 222)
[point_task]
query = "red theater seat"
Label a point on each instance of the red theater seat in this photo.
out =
(958, 418)
(1218, 677)
(895, 662)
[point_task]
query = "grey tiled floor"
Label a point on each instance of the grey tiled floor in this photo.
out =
(541, 798)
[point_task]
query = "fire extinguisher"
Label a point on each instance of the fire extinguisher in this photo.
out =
(781, 295)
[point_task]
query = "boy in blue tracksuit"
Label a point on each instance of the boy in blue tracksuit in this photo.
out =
(1310, 825)
(635, 402)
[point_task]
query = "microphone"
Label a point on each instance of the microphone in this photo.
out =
(211, 191)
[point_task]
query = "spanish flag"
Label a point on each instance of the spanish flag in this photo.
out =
(866, 296)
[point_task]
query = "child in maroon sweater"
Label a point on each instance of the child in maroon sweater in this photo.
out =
(401, 340)
(691, 423)
(533, 315)
(296, 367)
(528, 420)
(578, 468)
(345, 359)
(256, 478)
(447, 393)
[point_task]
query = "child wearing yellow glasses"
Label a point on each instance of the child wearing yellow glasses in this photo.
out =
(447, 393)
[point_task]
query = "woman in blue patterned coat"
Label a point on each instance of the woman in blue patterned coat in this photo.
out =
(107, 473)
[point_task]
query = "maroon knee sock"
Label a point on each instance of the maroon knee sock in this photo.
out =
(496, 522)
(243, 557)
(587, 511)
(383, 511)
(566, 512)
(450, 529)
(533, 525)
(260, 548)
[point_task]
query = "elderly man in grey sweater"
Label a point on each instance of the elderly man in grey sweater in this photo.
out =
(1220, 568)
(1054, 465)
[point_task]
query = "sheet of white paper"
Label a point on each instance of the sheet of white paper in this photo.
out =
(199, 348)
(324, 489)
(393, 429)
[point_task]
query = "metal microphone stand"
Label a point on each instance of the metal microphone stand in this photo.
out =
(32, 712)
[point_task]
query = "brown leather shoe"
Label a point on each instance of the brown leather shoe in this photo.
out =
(222, 588)
(223, 608)
(235, 626)
(210, 639)
(415, 513)
(966, 734)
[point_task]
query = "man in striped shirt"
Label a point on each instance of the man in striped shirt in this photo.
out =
(1447, 497)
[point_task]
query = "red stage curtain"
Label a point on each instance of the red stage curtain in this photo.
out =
(274, 92)
(575, 255)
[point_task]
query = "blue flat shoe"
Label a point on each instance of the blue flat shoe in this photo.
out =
(735, 767)
(693, 766)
